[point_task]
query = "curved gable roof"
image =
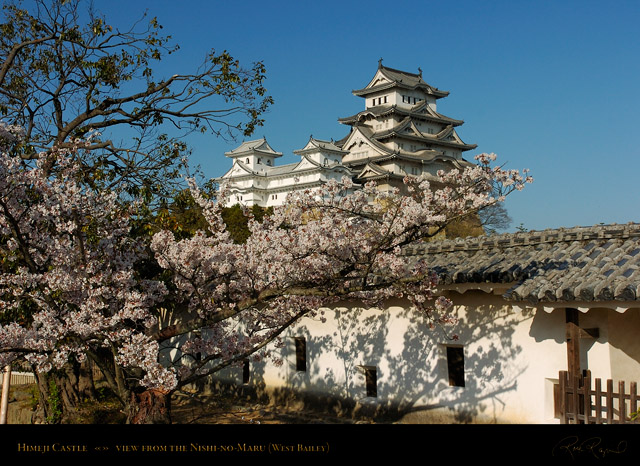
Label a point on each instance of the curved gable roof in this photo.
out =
(250, 147)
(387, 78)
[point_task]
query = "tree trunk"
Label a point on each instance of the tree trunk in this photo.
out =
(60, 392)
(86, 386)
(55, 397)
(150, 407)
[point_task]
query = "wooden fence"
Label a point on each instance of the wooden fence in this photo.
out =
(578, 402)
(19, 378)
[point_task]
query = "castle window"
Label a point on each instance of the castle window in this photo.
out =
(301, 354)
(259, 160)
(455, 366)
(269, 162)
(371, 380)
(245, 372)
(385, 99)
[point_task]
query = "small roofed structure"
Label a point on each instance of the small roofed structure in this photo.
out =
(254, 179)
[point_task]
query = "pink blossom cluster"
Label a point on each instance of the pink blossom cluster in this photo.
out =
(69, 283)
(10, 134)
(68, 271)
(322, 247)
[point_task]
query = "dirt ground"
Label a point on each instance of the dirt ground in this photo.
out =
(195, 409)
(186, 408)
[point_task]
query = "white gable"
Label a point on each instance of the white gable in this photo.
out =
(377, 80)
(305, 164)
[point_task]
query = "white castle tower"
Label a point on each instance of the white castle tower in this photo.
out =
(398, 133)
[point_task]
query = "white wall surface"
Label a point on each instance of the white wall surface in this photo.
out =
(512, 358)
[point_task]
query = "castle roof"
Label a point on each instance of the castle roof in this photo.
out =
(318, 144)
(582, 264)
(250, 147)
(420, 111)
(388, 78)
(441, 138)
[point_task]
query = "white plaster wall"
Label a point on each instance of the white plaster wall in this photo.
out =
(595, 352)
(623, 335)
(407, 93)
(432, 102)
(512, 359)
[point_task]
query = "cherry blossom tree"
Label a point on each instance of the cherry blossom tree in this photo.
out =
(321, 247)
(72, 284)
(76, 282)
(67, 72)
(69, 288)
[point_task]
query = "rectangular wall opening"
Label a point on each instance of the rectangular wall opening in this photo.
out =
(371, 380)
(245, 372)
(301, 354)
(455, 365)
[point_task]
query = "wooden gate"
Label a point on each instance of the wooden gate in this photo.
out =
(577, 402)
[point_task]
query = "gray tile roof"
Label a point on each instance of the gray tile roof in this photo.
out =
(403, 79)
(322, 145)
(420, 111)
(587, 264)
(256, 145)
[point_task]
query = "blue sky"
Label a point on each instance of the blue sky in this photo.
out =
(552, 86)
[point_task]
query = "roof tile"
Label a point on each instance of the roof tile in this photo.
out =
(597, 263)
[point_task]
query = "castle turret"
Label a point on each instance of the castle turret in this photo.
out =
(399, 133)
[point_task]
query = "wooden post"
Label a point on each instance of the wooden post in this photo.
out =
(609, 401)
(586, 397)
(633, 399)
(598, 401)
(575, 397)
(573, 342)
(622, 403)
(4, 404)
(562, 394)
